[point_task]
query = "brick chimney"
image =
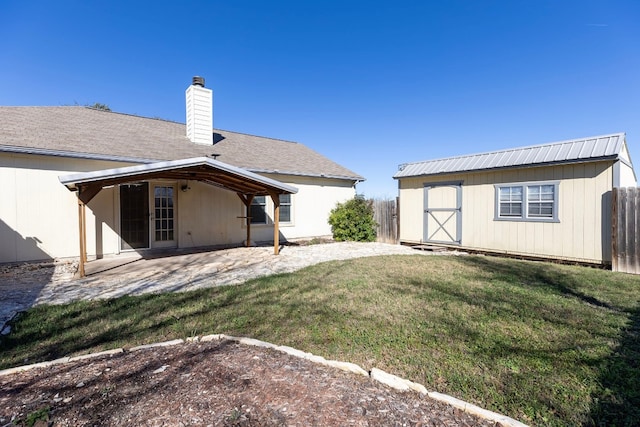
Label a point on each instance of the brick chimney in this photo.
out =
(199, 112)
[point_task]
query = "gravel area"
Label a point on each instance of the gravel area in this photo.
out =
(28, 284)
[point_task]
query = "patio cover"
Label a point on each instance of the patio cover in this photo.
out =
(245, 184)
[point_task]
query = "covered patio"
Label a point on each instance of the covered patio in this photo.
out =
(245, 184)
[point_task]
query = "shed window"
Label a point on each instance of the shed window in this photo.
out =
(540, 201)
(527, 202)
(511, 202)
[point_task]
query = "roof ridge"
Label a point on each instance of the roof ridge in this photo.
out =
(257, 136)
(510, 150)
(88, 107)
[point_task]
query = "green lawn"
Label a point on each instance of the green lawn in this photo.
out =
(543, 343)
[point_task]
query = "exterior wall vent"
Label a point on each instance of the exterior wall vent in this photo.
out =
(199, 102)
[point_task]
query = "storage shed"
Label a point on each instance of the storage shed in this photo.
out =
(545, 201)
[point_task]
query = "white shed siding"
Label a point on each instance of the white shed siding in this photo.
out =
(583, 230)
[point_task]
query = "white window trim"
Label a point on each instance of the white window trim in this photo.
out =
(266, 212)
(290, 222)
(525, 202)
(270, 211)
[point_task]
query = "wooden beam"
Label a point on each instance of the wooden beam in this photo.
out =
(88, 192)
(243, 197)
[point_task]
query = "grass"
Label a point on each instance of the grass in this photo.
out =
(543, 343)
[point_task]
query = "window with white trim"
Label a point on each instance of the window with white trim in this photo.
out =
(534, 201)
(285, 207)
(258, 210)
(262, 210)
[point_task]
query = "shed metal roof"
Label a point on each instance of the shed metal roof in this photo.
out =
(576, 150)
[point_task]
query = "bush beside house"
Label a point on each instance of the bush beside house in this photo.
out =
(353, 220)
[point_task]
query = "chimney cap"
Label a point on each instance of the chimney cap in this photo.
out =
(198, 81)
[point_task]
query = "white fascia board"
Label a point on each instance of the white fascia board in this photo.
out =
(356, 179)
(72, 154)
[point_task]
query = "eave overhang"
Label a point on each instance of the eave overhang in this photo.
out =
(613, 158)
(201, 169)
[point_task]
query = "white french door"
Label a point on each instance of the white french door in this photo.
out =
(163, 216)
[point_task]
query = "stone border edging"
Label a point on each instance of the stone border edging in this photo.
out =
(375, 374)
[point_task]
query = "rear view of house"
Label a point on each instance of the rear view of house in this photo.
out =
(546, 201)
(142, 183)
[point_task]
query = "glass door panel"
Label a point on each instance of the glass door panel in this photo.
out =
(163, 230)
(134, 216)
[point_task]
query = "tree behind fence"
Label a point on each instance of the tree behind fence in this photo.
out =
(386, 215)
(625, 247)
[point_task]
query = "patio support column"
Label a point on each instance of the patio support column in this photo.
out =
(276, 222)
(247, 199)
(85, 194)
(82, 233)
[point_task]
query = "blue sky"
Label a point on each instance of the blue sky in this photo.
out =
(368, 84)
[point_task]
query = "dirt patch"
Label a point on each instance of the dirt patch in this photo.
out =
(219, 383)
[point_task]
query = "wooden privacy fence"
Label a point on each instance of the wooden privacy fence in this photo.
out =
(625, 225)
(385, 213)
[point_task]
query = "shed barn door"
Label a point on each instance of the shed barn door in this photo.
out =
(443, 213)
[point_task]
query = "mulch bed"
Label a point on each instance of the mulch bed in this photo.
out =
(218, 383)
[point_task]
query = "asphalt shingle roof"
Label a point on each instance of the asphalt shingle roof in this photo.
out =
(87, 132)
(576, 150)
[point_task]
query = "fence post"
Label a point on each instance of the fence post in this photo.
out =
(615, 266)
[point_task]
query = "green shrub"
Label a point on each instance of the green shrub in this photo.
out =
(353, 220)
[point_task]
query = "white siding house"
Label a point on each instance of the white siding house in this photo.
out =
(547, 201)
(43, 147)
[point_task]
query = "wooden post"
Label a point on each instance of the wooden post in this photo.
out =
(85, 194)
(397, 219)
(82, 233)
(615, 266)
(249, 200)
(247, 203)
(276, 222)
(276, 225)
(632, 230)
